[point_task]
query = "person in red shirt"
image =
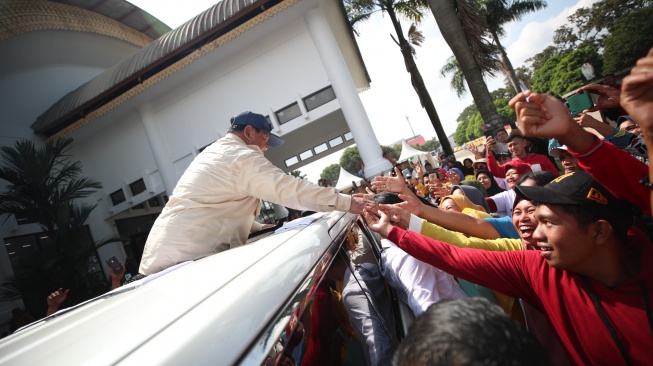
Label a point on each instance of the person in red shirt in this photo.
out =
(592, 276)
(517, 147)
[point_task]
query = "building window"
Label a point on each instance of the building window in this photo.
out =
(348, 136)
(137, 187)
(292, 161)
(288, 113)
(320, 148)
(118, 197)
(306, 154)
(335, 142)
(319, 98)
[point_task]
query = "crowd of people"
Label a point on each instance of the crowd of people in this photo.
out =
(571, 252)
(550, 224)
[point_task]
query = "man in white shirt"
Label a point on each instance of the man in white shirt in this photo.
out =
(213, 206)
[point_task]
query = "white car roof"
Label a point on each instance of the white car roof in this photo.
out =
(209, 311)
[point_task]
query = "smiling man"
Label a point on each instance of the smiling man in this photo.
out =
(213, 206)
(591, 277)
(517, 147)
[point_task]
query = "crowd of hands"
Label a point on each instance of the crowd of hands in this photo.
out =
(538, 115)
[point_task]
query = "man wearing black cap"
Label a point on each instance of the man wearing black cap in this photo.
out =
(592, 276)
(213, 206)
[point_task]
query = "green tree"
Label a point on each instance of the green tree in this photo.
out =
(43, 186)
(470, 121)
(500, 12)
(430, 145)
(411, 10)
(562, 72)
(457, 83)
(463, 28)
(298, 174)
(630, 40)
(331, 173)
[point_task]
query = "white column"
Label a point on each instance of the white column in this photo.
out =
(345, 89)
(161, 154)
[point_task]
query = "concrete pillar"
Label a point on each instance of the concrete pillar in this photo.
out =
(159, 150)
(345, 89)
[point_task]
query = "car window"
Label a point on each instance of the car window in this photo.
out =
(346, 314)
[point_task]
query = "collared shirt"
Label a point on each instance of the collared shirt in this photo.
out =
(213, 206)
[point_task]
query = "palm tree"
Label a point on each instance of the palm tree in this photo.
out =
(499, 12)
(462, 28)
(43, 185)
(412, 10)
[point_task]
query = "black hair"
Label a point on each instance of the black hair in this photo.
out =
(390, 198)
(514, 136)
(541, 178)
(468, 331)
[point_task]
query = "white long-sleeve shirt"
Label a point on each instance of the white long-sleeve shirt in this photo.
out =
(417, 283)
(213, 206)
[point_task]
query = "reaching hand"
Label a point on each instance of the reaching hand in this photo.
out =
(56, 298)
(585, 120)
(489, 143)
(419, 171)
(117, 276)
(411, 204)
(359, 203)
(391, 184)
(541, 115)
(454, 178)
(378, 222)
(397, 215)
(637, 94)
(610, 96)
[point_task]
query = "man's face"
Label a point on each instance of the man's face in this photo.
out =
(516, 147)
(569, 162)
(562, 243)
(502, 136)
(630, 127)
(259, 139)
(480, 166)
(502, 159)
(523, 217)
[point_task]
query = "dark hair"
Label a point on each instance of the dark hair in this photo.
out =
(541, 178)
(390, 198)
(502, 129)
(470, 160)
(514, 136)
(468, 331)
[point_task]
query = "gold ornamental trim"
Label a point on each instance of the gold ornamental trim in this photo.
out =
(23, 16)
(173, 68)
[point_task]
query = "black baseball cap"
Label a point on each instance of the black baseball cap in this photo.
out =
(579, 189)
(259, 121)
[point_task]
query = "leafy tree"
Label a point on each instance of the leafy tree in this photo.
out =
(500, 12)
(562, 73)
(412, 10)
(630, 40)
(298, 174)
(430, 145)
(457, 83)
(43, 185)
(331, 173)
(463, 28)
(470, 124)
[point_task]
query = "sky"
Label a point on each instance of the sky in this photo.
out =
(391, 102)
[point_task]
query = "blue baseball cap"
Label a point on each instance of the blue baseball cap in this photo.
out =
(259, 121)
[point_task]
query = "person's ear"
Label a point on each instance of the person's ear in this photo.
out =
(602, 231)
